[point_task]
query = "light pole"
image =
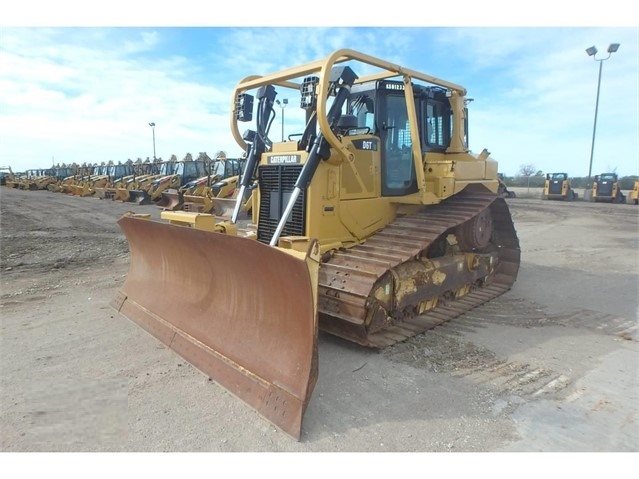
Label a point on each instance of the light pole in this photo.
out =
(282, 105)
(152, 125)
(592, 51)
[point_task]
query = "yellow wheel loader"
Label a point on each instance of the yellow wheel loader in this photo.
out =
(221, 184)
(172, 198)
(375, 223)
(64, 175)
(557, 187)
(20, 180)
(67, 186)
(225, 206)
(7, 177)
(606, 188)
(115, 174)
(61, 184)
(38, 179)
(135, 189)
(132, 170)
(44, 179)
(12, 180)
(25, 181)
(165, 191)
(83, 175)
(98, 179)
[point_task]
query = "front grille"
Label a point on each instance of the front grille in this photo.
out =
(276, 183)
(555, 187)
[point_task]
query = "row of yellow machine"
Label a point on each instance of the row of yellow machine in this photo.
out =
(605, 188)
(206, 185)
(203, 184)
(374, 223)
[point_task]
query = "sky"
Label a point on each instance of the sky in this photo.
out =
(84, 88)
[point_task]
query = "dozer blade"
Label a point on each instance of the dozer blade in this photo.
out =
(242, 312)
(171, 200)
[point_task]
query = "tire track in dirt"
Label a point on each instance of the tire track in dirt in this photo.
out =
(445, 349)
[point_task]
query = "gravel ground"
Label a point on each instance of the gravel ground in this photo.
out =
(551, 366)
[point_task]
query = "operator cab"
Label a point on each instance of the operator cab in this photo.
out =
(606, 177)
(189, 170)
(380, 108)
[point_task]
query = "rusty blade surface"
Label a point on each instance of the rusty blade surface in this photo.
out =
(238, 310)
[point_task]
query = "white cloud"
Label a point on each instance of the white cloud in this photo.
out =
(88, 94)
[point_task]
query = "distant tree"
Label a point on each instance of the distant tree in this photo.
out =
(527, 171)
(628, 182)
(579, 182)
(539, 173)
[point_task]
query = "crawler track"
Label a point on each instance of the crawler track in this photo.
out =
(347, 279)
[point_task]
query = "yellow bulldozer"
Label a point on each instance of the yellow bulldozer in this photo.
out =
(375, 223)
(557, 187)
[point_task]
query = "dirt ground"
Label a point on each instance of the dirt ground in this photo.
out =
(552, 365)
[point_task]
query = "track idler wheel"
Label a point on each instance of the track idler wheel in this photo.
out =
(475, 234)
